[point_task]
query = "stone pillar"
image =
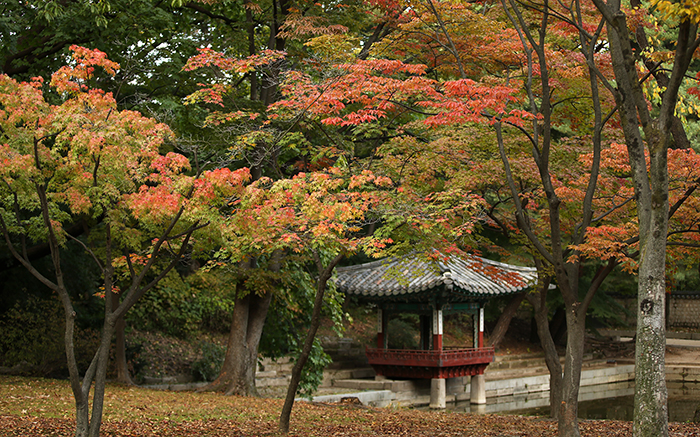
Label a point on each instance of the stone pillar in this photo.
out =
(437, 329)
(438, 393)
(478, 389)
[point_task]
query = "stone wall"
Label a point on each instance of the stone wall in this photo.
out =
(684, 311)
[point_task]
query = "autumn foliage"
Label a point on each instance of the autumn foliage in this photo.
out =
(85, 162)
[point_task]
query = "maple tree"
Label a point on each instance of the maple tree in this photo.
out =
(557, 66)
(650, 130)
(244, 90)
(319, 214)
(236, 106)
(84, 160)
(322, 215)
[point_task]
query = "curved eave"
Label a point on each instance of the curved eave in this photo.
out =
(450, 280)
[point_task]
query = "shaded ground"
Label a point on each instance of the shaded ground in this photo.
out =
(683, 355)
(38, 407)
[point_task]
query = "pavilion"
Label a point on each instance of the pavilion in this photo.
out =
(431, 287)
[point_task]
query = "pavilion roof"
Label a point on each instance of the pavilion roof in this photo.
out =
(418, 278)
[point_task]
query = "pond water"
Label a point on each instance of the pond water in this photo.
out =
(605, 401)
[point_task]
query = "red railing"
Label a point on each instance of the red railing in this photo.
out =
(404, 363)
(430, 358)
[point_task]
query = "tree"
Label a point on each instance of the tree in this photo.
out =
(236, 104)
(560, 67)
(36, 36)
(323, 216)
(320, 215)
(650, 130)
(85, 161)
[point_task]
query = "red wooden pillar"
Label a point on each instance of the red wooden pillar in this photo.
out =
(437, 330)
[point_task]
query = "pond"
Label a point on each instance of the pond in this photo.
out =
(605, 401)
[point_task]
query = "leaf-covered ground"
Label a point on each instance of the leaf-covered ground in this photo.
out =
(43, 407)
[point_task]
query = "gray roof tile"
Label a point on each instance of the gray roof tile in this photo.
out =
(456, 278)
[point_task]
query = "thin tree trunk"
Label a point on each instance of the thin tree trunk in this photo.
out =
(120, 364)
(505, 318)
(98, 395)
(82, 412)
(250, 28)
(551, 356)
(324, 276)
(568, 414)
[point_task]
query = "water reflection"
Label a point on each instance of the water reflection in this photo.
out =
(605, 401)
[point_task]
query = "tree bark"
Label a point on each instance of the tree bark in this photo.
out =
(650, 400)
(120, 363)
(551, 355)
(505, 318)
(568, 408)
(237, 376)
(324, 276)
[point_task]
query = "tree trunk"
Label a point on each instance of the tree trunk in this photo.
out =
(100, 379)
(650, 178)
(88, 422)
(82, 410)
(324, 276)
(82, 415)
(568, 412)
(237, 376)
(650, 400)
(551, 356)
(504, 320)
(252, 50)
(120, 364)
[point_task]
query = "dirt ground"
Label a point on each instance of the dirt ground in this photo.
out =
(683, 355)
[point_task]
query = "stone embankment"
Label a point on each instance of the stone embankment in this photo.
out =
(515, 381)
(521, 380)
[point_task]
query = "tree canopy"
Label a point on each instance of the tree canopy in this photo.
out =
(314, 130)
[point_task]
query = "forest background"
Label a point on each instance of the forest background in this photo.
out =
(302, 135)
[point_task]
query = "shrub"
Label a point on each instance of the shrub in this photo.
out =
(178, 308)
(32, 339)
(208, 365)
(312, 374)
(402, 334)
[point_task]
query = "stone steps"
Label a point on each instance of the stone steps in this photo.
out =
(515, 366)
(377, 398)
(683, 373)
(330, 375)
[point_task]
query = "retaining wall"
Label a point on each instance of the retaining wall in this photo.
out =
(684, 311)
